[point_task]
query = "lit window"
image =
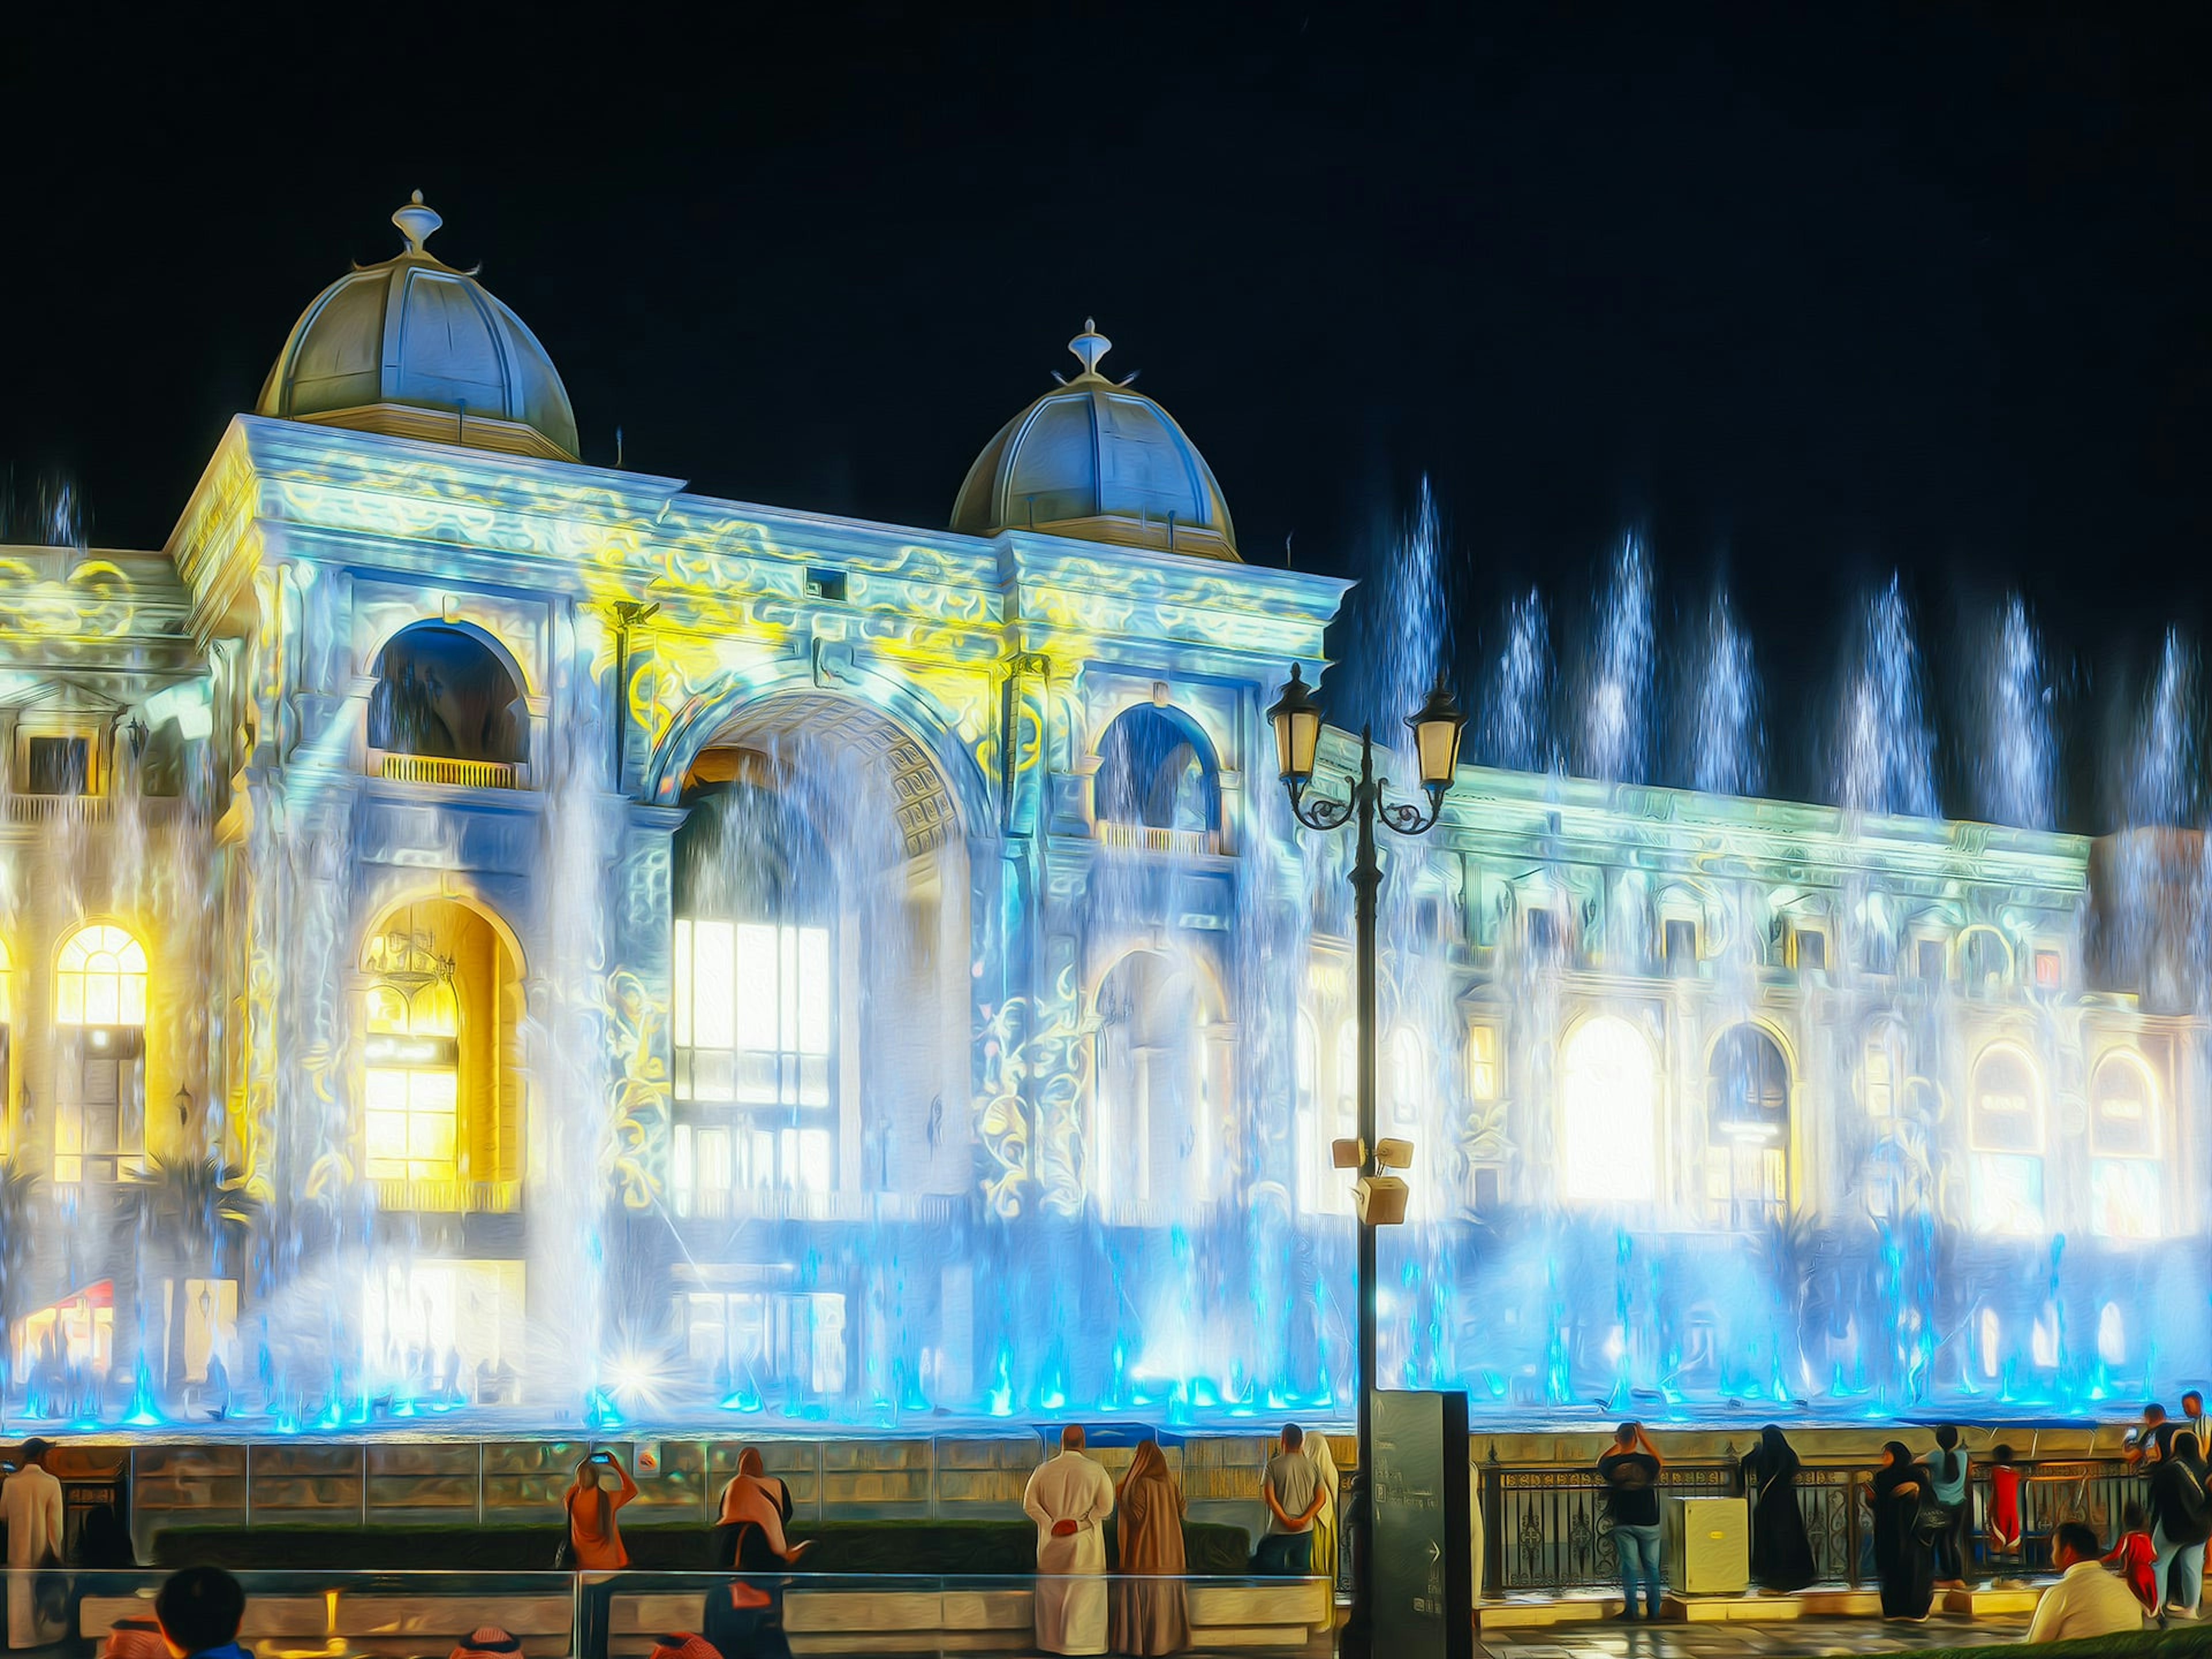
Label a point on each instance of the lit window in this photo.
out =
(2006, 1128)
(412, 1084)
(56, 766)
(1608, 1115)
(1482, 1081)
(752, 1015)
(1809, 948)
(1748, 1166)
(465, 1315)
(2047, 965)
(2124, 1185)
(101, 980)
(1154, 1095)
(99, 1003)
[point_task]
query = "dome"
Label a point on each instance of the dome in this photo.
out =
(1097, 461)
(418, 349)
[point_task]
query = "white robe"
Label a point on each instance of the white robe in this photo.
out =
(1070, 1616)
(31, 1508)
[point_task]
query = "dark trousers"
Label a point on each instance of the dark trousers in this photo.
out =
(1954, 1545)
(1285, 1554)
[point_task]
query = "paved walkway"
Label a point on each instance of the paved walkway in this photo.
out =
(1745, 1640)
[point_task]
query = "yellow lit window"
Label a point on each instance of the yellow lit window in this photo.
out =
(413, 1116)
(1482, 1062)
(101, 979)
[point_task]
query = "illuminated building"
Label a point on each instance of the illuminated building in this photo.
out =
(627, 950)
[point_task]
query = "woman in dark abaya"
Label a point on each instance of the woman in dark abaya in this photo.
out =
(1904, 1559)
(1781, 1556)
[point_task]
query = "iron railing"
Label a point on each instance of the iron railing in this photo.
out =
(1546, 1528)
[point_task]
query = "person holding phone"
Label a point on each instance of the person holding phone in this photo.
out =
(595, 1542)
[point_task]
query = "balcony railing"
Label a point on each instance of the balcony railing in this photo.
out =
(1144, 838)
(449, 1197)
(89, 809)
(434, 768)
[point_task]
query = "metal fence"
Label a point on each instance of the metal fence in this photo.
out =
(1546, 1528)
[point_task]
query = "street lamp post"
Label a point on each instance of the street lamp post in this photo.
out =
(1297, 719)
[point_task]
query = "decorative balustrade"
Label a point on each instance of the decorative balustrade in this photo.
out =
(435, 769)
(1144, 838)
(1546, 1528)
(90, 808)
(448, 1197)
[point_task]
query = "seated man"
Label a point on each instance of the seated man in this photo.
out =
(2087, 1601)
(200, 1610)
(1292, 1490)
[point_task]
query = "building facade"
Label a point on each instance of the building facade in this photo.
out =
(492, 934)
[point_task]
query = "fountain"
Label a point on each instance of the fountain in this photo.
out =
(587, 956)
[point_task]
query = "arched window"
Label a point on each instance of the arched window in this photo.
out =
(1152, 1125)
(1608, 1115)
(442, 1094)
(2125, 1196)
(2005, 1126)
(757, 998)
(1158, 782)
(99, 1003)
(441, 693)
(1748, 1126)
(414, 1082)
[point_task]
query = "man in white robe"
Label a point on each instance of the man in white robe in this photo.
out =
(31, 1511)
(1069, 1498)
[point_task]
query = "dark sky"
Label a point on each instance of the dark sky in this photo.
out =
(1800, 294)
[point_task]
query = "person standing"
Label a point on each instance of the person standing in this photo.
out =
(2087, 1601)
(1780, 1554)
(1291, 1488)
(1631, 1473)
(1901, 1554)
(2003, 1537)
(2152, 1438)
(1946, 1476)
(1325, 1526)
(31, 1513)
(1069, 1498)
(1150, 1612)
(2194, 1419)
(2181, 1521)
(595, 1542)
(750, 1522)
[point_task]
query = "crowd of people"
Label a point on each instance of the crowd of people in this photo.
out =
(1924, 1535)
(1924, 1531)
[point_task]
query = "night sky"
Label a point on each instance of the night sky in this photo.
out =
(1800, 295)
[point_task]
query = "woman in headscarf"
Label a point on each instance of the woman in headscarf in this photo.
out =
(595, 1542)
(749, 1531)
(1322, 1562)
(1905, 1560)
(1147, 1615)
(1781, 1556)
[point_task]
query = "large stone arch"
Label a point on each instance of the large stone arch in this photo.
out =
(744, 703)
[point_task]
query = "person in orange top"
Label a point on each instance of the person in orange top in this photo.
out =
(594, 1541)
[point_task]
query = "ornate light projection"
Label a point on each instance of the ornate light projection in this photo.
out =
(622, 954)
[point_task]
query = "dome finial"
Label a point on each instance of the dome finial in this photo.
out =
(1090, 346)
(416, 223)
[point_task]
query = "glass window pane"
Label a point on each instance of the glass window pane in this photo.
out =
(386, 1090)
(755, 1023)
(103, 999)
(2124, 1199)
(814, 1171)
(815, 991)
(1609, 1114)
(712, 989)
(755, 1080)
(133, 1004)
(69, 1009)
(710, 1074)
(786, 969)
(814, 1081)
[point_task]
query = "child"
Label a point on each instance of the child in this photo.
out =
(2004, 1505)
(2135, 1557)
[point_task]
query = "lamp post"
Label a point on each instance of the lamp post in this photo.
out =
(1380, 1196)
